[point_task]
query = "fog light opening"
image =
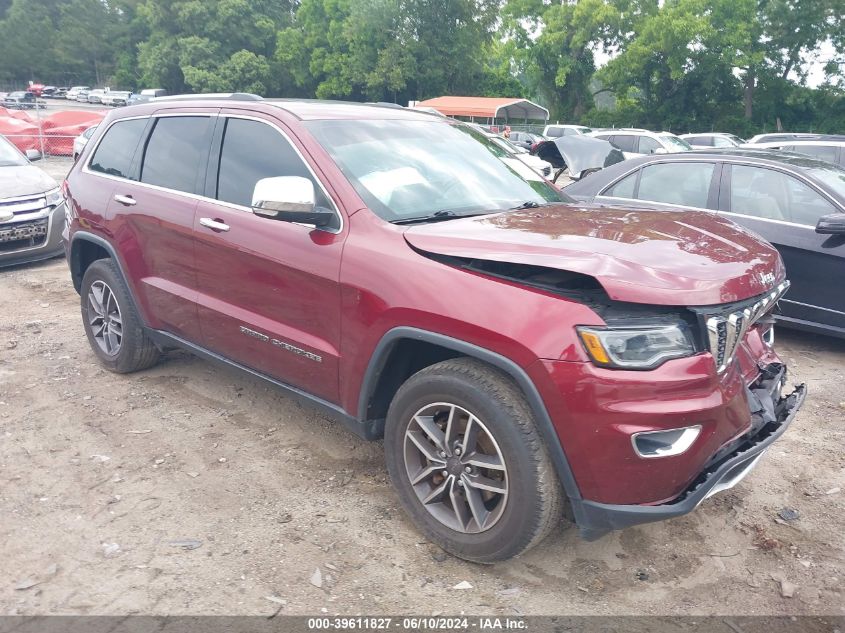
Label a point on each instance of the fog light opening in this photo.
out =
(651, 444)
(769, 336)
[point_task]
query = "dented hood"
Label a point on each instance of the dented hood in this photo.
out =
(638, 255)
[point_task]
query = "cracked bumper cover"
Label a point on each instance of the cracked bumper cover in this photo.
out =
(770, 417)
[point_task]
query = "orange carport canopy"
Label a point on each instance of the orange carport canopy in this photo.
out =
(487, 107)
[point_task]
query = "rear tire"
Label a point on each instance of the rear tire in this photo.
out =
(492, 501)
(113, 326)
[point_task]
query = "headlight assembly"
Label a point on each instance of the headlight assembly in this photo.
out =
(53, 197)
(636, 347)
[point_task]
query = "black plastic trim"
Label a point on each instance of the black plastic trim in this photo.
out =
(85, 236)
(601, 518)
(541, 415)
(362, 429)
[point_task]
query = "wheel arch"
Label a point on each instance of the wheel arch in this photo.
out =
(85, 249)
(381, 378)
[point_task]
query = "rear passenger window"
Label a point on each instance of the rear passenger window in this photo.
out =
(114, 154)
(685, 184)
(176, 151)
(252, 151)
(624, 188)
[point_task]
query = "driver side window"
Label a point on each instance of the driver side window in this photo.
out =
(251, 151)
(773, 195)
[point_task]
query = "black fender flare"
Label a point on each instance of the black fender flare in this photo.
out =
(547, 431)
(73, 255)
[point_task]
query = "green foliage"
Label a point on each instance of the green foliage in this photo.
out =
(685, 65)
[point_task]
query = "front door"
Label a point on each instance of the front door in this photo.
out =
(269, 294)
(785, 210)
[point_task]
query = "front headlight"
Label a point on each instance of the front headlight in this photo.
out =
(636, 347)
(54, 197)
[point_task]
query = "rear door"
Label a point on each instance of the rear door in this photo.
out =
(784, 209)
(153, 218)
(668, 185)
(269, 290)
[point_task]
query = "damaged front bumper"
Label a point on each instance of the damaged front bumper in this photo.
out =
(771, 414)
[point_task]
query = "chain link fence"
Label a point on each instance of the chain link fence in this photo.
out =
(52, 133)
(46, 143)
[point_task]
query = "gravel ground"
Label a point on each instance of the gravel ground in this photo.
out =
(190, 489)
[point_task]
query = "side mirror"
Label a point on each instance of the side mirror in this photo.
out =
(832, 224)
(660, 150)
(289, 199)
(33, 155)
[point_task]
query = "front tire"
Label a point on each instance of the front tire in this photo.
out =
(468, 463)
(111, 323)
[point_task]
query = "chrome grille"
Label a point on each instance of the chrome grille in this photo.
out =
(15, 206)
(726, 331)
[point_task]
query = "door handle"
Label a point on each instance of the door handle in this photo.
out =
(126, 201)
(214, 225)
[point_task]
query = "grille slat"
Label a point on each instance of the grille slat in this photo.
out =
(725, 331)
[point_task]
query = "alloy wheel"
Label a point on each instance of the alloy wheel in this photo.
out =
(456, 468)
(104, 318)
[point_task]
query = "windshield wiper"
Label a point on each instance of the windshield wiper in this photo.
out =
(530, 204)
(437, 216)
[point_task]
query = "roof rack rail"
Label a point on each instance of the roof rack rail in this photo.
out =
(217, 96)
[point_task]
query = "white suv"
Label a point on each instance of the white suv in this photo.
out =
(830, 148)
(636, 142)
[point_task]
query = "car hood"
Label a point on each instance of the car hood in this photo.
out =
(579, 153)
(637, 255)
(24, 180)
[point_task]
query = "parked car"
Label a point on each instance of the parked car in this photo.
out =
(713, 139)
(31, 208)
(397, 271)
(96, 95)
(146, 95)
(115, 98)
(830, 148)
(636, 142)
(525, 140)
(780, 136)
(796, 202)
(577, 156)
(61, 93)
(73, 93)
(80, 141)
(36, 89)
(555, 130)
(22, 100)
(512, 151)
(48, 91)
(82, 96)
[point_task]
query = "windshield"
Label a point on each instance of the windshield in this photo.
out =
(509, 147)
(9, 155)
(414, 169)
(674, 141)
(832, 176)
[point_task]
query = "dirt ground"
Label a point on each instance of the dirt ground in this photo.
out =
(190, 489)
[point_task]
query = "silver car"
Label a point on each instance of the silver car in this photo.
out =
(80, 141)
(32, 210)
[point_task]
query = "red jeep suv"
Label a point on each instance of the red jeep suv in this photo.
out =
(517, 352)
